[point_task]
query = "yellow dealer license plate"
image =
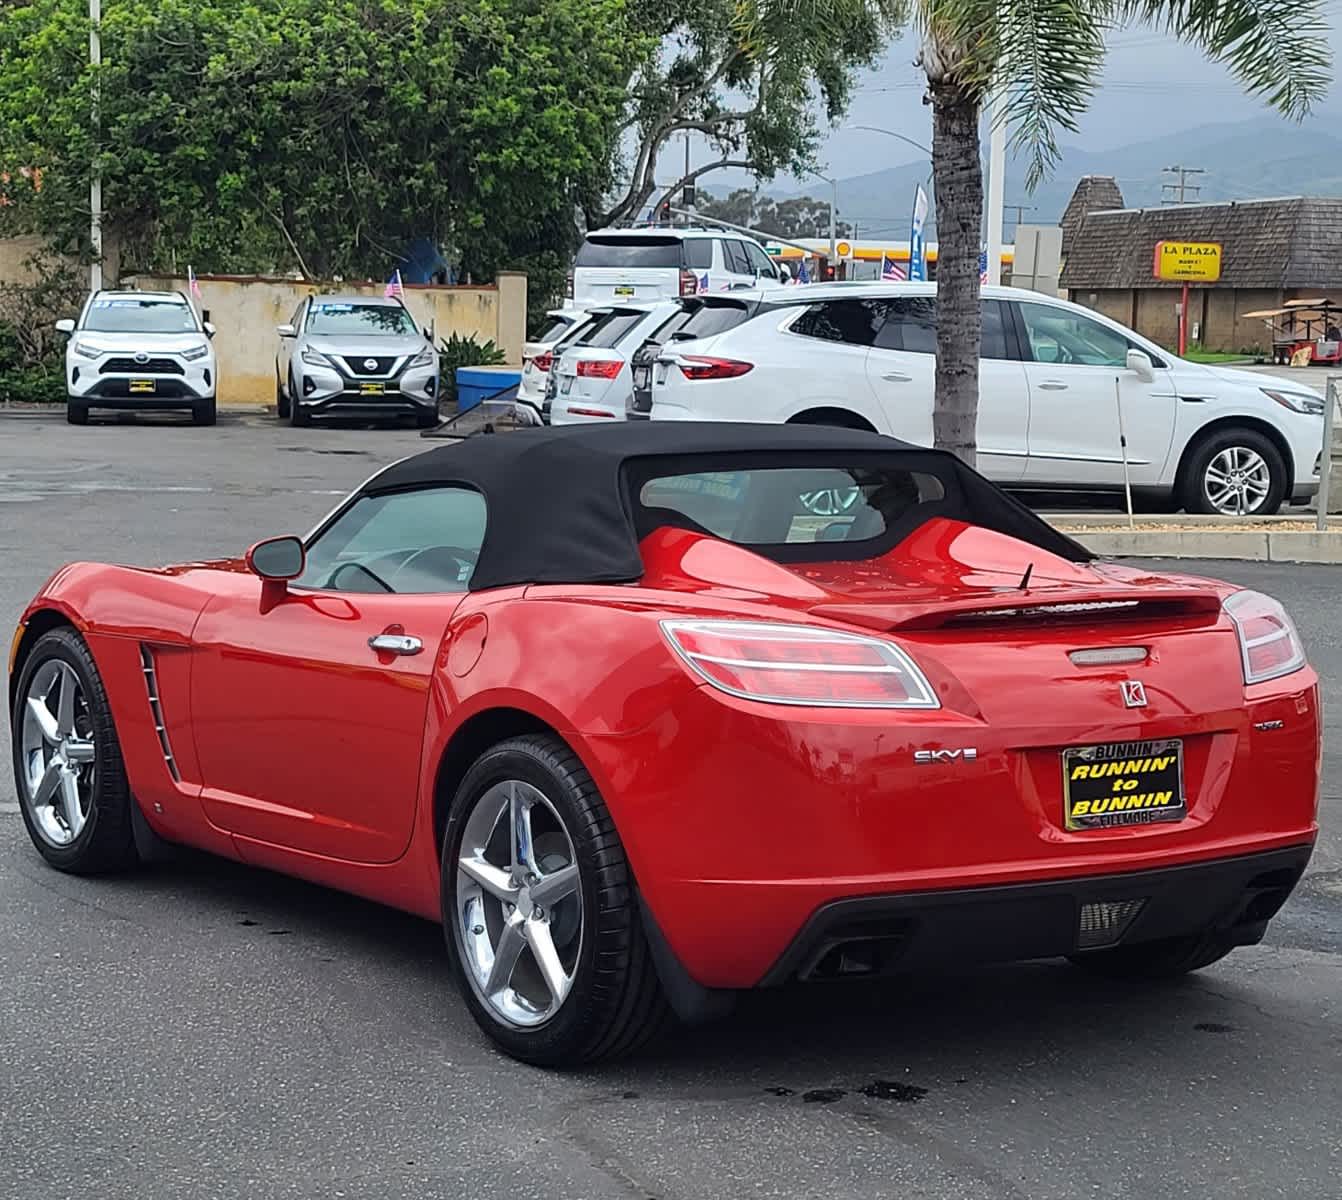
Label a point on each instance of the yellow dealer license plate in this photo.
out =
(1123, 783)
(372, 389)
(141, 386)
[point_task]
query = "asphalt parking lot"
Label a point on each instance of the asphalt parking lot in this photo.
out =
(205, 1030)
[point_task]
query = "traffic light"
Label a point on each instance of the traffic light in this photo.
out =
(827, 271)
(664, 212)
(687, 196)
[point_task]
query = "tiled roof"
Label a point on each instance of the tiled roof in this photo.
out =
(1093, 193)
(1287, 243)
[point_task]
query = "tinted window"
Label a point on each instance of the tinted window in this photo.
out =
(738, 262)
(699, 253)
(788, 505)
(337, 318)
(1064, 338)
(634, 251)
(707, 320)
(911, 325)
(610, 328)
(853, 322)
(127, 315)
(553, 327)
(424, 541)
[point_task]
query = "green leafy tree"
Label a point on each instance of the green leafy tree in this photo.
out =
(1047, 55)
(316, 136)
(745, 75)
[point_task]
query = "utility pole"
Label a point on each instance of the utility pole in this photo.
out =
(997, 138)
(1177, 192)
(1020, 210)
(96, 182)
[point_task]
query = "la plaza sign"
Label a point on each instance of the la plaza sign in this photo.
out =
(1188, 262)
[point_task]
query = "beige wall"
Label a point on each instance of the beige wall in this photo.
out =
(1217, 311)
(246, 311)
(14, 255)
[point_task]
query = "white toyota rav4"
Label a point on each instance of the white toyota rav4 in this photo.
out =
(1054, 379)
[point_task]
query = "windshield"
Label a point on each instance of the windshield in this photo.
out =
(630, 252)
(140, 316)
(342, 318)
(778, 506)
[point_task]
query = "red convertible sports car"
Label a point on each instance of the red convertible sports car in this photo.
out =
(641, 728)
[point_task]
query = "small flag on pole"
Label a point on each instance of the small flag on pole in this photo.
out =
(803, 275)
(983, 267)
(192, 282)
(703, 282)
(891, 271)
(394, 289)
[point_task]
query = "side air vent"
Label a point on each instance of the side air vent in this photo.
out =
(156, 709)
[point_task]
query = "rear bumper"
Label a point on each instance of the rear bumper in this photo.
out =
(874, 935)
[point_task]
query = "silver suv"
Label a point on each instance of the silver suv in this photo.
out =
(357, 356)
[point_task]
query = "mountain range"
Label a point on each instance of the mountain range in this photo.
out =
(1246, 160)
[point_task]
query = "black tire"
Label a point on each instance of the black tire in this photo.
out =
(1193, 493)
(107, 840)
(77, 412)
(1164, 959)
(204, 412)
(299, 417)
(281, 400)
(616, 1002)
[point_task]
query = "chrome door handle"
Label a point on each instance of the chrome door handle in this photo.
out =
(395, 643)
(1051, 385)
(897, 377)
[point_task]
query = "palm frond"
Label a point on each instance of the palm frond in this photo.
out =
(1277, 48)
(1049, 58)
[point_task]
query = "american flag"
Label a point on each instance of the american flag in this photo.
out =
(983, 267)
(394, 288)
(891, 270)
(192, 282)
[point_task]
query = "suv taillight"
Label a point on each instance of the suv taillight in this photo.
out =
(599, 368)
(689, 283)
(542, 361)
(697, 366)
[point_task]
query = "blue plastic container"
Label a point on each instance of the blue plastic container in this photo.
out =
(496, 384)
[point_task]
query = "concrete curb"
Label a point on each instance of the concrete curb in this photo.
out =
(1294, 546)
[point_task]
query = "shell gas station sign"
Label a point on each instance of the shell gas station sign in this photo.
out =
(1188, 262)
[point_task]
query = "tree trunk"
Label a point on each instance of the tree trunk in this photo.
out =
(958, 176)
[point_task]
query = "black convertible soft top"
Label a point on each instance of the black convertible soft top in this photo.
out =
(558, 504)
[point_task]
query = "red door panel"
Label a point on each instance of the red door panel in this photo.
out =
(308, 737)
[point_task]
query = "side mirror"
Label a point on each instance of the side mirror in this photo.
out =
(210, 330)
(1139, 363)
(65, 326)
(277, 560)
(286, 331)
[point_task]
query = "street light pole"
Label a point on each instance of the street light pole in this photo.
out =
(996, 183)
(833, 227)
(96, 183)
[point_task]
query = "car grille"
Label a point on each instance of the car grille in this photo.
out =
(153, 366)
(359, 366)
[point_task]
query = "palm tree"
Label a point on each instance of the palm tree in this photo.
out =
(1047, 56)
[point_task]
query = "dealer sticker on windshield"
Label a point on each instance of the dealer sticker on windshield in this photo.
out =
(1123, 783)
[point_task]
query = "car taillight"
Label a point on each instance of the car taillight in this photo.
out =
(1269, 645)
(696, 366)
(800, 664)
(542, 361)
(599, 368)
(568, 285)
(689, 283)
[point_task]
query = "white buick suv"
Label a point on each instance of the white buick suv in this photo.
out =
(1054, 379)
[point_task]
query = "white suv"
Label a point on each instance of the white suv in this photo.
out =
(1052, 379)
(620, 266)
(595, 371)
(139, 350)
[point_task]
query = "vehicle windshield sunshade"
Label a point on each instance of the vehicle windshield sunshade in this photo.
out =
(564, 502)
(634, 251)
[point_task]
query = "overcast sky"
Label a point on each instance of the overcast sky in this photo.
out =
(1152, 85)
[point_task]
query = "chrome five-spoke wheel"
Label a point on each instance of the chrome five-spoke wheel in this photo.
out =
(519, 904)
(57, 752)
(1237, 481)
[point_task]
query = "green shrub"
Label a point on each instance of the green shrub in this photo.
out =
(458, 351)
